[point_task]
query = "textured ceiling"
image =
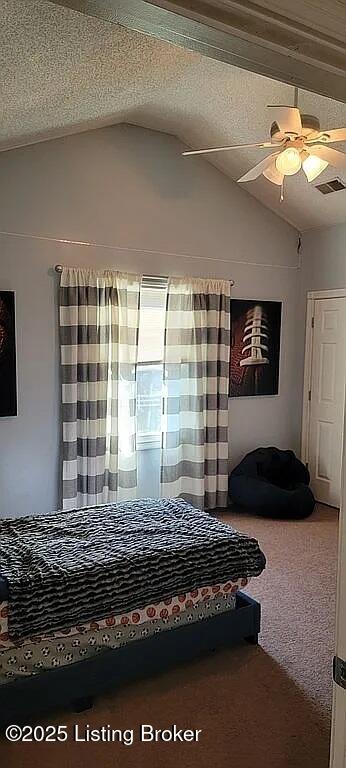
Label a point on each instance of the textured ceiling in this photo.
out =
(62, 72)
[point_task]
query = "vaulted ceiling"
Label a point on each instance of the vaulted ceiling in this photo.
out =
(63, 72)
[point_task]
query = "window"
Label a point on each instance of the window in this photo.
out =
(150, 361)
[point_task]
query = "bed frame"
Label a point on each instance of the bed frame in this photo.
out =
(75, 686)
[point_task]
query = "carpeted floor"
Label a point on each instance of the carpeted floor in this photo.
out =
(258, 707)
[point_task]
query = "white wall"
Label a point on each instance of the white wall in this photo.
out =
(128, 187)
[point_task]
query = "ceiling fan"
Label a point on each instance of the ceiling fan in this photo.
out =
(298, 143)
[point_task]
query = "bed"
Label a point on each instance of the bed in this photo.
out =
(96, 590)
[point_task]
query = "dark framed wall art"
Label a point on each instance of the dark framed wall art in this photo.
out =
(255, 347)
(8, 375)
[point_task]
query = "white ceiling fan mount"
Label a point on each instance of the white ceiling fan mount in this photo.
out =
(298, 143)
(310, 128)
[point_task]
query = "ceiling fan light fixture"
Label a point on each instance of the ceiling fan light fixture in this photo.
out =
(313, 166)
(298, 143)
(289, 161)
(273, 175)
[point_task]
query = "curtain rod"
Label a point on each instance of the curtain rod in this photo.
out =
(59, 268)
(146, 250)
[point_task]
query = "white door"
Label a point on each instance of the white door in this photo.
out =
(338, 736)
(327, 399)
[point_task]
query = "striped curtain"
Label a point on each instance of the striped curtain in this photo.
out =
(99, 316)
(194, 459)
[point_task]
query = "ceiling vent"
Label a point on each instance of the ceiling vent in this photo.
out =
(330, 186)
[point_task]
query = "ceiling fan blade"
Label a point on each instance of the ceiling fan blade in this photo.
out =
(259, 168)
(262, 145)
(331, 156)
(272, 174)
(287, 118)
(336, 134)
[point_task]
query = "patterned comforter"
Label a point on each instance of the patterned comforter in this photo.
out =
(69, 567)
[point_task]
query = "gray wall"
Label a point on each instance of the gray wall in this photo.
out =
(323, 268)
(324, 259)
(130, 188)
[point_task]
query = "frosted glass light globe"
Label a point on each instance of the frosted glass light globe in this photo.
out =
(313, 166)
(289, 161)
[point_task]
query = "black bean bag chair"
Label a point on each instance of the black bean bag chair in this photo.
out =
(272, 483)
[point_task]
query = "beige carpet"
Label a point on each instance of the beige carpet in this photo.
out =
(265, 707)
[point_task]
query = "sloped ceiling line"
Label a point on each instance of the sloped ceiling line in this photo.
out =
(63, 72)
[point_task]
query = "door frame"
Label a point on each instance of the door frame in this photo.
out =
(338, 726)
(312, 296)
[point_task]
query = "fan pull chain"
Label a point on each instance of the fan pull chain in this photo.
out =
(282, 193)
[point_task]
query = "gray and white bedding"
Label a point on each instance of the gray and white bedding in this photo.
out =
(68, 567)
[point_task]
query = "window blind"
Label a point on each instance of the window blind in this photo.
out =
(152, 319)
